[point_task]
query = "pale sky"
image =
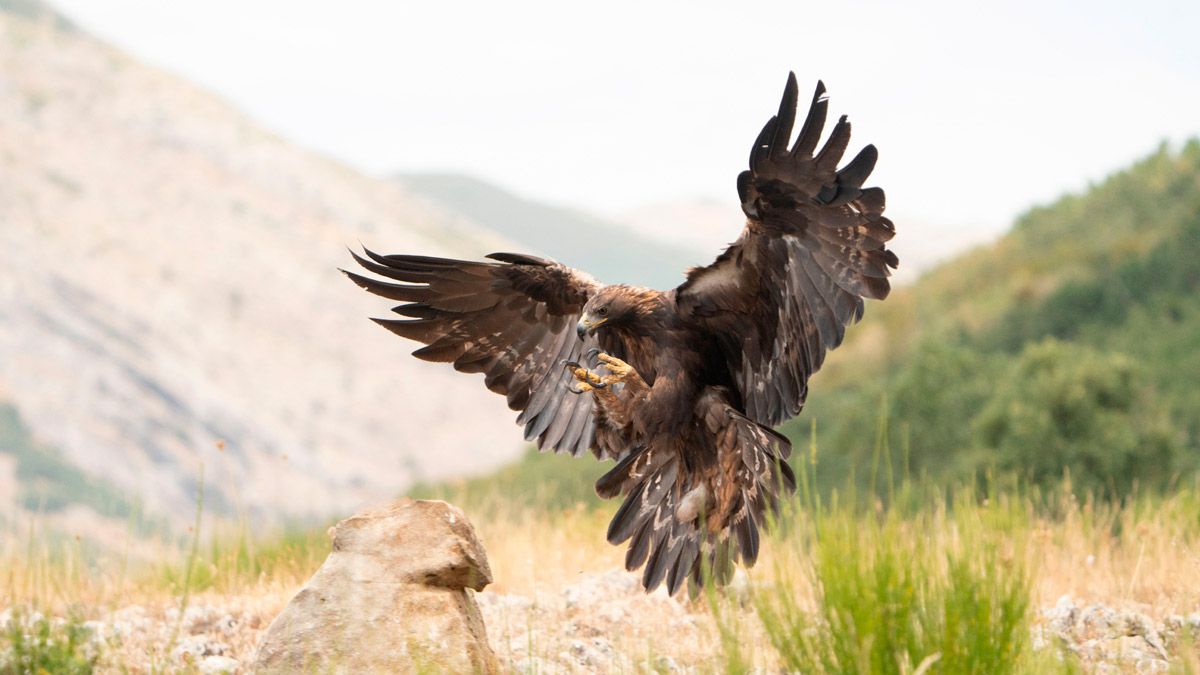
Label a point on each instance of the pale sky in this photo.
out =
(978, 113)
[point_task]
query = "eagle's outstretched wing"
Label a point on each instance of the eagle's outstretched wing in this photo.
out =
(513, 320)
(812, 249)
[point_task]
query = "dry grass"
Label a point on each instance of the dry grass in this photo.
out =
(556, 596)
(1143, 555)
(531, 551)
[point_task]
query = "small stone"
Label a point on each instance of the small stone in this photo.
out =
(211, 665)
(1062, 617)
(227, 625)
(1091, 649)
(664, 664)
(580, 653)
(1097, 621)
(192, 648)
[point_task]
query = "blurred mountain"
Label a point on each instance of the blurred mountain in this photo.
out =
(170, 307)
(706, 225)
(610, 251)
(36, 10)
(650, 245)
(709, 225)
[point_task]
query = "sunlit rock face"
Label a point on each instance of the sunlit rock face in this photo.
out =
(394, 596)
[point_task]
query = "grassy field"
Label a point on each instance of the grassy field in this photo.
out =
(915, 579)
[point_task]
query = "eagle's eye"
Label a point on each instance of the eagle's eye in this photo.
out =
(603, 311)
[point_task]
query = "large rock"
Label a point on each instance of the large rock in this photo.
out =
(392, 597)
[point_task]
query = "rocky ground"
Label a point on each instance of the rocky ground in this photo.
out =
(140, 639)
(601, 623)
(1110, 640)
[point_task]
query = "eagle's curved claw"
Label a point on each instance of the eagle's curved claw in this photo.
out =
(587, 379)
(586, 387)
(590, 356)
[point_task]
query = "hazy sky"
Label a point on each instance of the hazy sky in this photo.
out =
(978, 113)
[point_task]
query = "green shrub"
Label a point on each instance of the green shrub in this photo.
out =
(933, 398)
(937, 590)
(1067, 406)
(38, 645)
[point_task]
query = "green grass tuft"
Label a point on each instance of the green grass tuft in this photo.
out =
(36, 644)
(890, 593)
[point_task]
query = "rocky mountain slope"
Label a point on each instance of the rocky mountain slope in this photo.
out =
(169, 298)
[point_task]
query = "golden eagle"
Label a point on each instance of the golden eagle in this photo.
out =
(680, 387)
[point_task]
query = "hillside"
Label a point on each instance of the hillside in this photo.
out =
(170, 299)
(611, 252)
(1075, 337)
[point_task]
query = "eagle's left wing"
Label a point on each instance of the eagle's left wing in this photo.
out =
(812, 249)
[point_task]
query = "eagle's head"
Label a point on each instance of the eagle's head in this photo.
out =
(616, 307)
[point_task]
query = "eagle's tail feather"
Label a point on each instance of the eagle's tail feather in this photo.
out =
(695, 519)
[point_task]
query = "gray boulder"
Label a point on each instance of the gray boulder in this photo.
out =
(391, 597)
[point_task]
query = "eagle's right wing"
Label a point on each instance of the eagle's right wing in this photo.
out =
(814, 246)
(513, 320)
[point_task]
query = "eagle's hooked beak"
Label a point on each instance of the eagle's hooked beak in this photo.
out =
(588, 325)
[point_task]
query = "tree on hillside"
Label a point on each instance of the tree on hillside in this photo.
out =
(1065, 405)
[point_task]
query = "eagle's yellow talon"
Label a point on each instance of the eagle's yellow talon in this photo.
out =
(588, 381)
(616, 366)
(586, 376)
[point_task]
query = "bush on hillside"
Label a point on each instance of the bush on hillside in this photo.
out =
(1068, 406)
(934, 397)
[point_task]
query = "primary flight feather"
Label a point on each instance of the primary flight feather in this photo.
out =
(685, 385)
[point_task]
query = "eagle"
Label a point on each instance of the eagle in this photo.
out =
(681, 388)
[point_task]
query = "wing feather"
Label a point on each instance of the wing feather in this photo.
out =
(814, 246)
(512, 319)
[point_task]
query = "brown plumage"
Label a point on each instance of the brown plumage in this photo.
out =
(690, 381)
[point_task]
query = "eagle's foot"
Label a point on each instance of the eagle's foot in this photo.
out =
(619, 371)
(587, 379)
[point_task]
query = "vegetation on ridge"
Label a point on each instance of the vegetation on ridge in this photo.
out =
(1074, 342)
